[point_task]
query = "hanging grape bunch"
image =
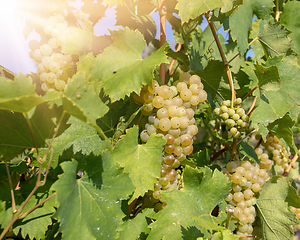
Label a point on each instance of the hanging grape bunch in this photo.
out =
(234, 116)
(54, 67)
(170, 114)
(274, 147)
(247, 180)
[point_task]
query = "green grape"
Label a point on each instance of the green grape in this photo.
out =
(175, 122)
(194, 100)
(173, 111)
(181, 86)
(186, 94)
(46, 50)
(194, 79)
(164, 124)
(184, 122)
(158, 102)
(162, 113)
(184, 77)
(195, 89)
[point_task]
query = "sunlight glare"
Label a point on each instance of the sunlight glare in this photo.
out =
(7, 10)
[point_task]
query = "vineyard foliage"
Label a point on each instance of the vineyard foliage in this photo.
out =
(77, 160)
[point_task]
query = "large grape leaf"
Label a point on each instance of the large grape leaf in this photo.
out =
(18, 95)
(272, 208)
(81, 137)
(120, 67)
(15, 135)
(194, 8)
(142, 162)
(134, 227)
(273, 38)
(191, 207)
(290, 19)
(241, 20)
(90, 207)
(82, 102)
(278, 82)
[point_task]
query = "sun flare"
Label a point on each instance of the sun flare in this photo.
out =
(7, 10)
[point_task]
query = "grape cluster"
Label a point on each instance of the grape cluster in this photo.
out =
(247, 180)
(234, 116)
(278, 152)
(170, 114)
(297, 212)
(54, 67)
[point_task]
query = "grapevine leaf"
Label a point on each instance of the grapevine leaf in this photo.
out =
(194, 8)
(78, 41)
(282, 129)
(224, 235)
(249, 151)
(272, 207)
(82, 137)
(142, 162)
(134, 227)
(214, 82)
(18, 95)
(273, 38)
(82, 102)
(90, 207)
(268, 78)
(203, 190)
(120, 78)
(36, 223)
(15, 135)
(204, 48)
(241, 20)
(290, 19)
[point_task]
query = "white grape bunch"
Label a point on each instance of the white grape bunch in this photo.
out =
(234, 117)
(170, 114)
(247, 180)
(54, 67)
(275, 148)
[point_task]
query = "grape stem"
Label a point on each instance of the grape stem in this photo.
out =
(163, 37)
(286, 171)
(252, 106)
(173, 61)
(225, 62)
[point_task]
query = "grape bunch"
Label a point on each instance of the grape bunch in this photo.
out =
(234, 116)
(276, 149)
(297, 212)
(170, 114)
(54, 67)
(247, 180)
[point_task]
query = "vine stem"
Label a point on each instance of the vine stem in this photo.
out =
(278, 12)
(163, 38)
(225, 62)
(173, 61)
(13, 202)
(286, 171)
(18, 212)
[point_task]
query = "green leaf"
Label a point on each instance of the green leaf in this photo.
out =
(82, 102)
(81, 137)
(241, 20)
(134, 227)
(121, 68)
(18, 95)
(194, 8)
(224, 235)
(203, 49)
(273, 38)
(290, 19)
(78, 41)
(282, 129)
(142, 162)
(214, 82)
(268, 78)
(15, 135)
(203, 190)
(249, 151)
(272, 207)
(90, 207)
